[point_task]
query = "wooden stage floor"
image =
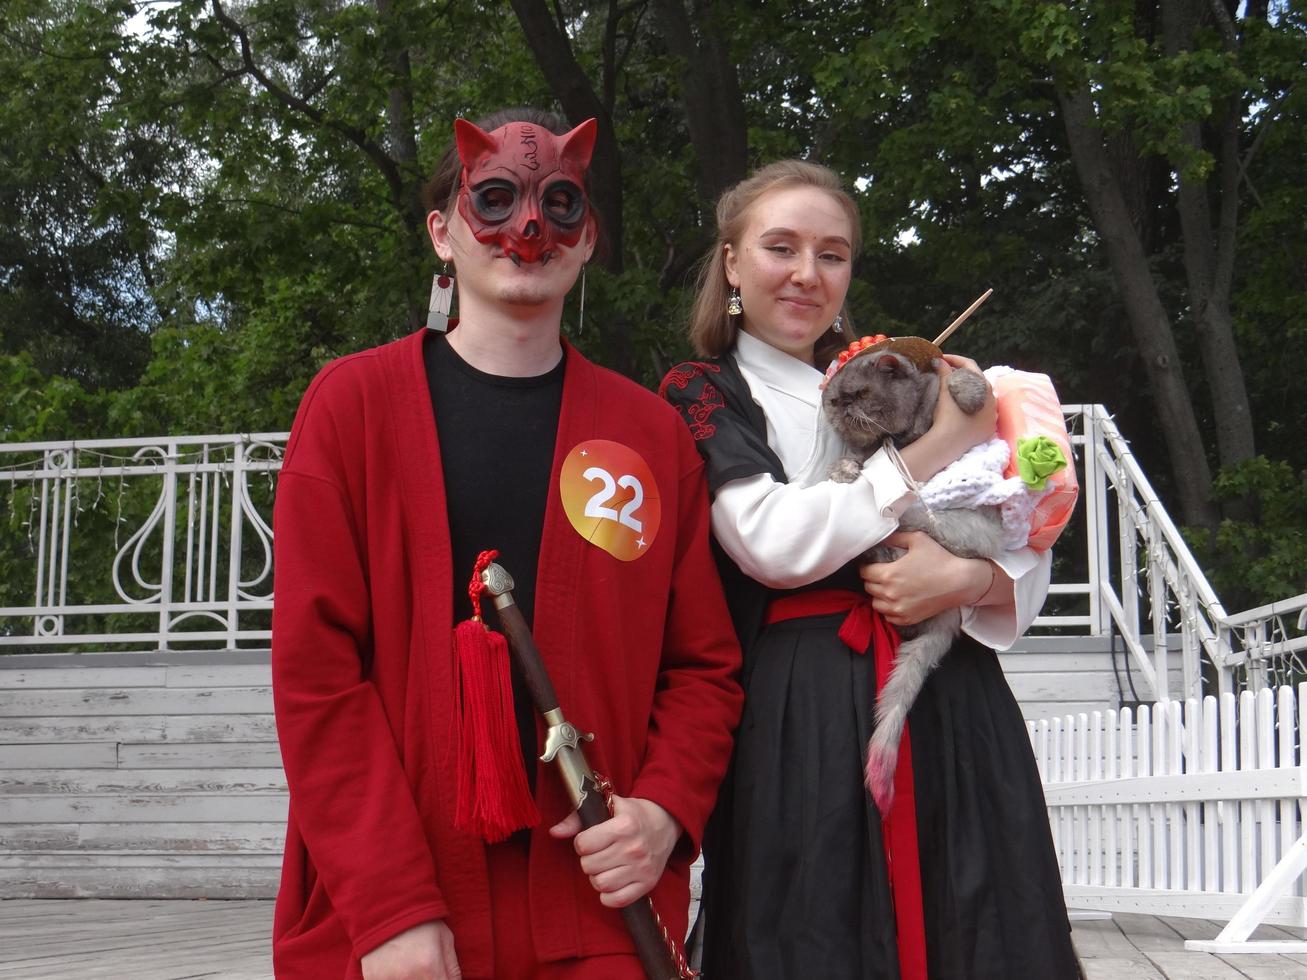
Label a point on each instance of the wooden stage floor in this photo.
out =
(76, 939)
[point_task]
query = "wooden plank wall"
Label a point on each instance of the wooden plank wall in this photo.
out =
(139, 776)
(1048, 679)
(157, 775)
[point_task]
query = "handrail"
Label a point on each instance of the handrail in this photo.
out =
(180, 507)
(1247, 649)
(188, 531)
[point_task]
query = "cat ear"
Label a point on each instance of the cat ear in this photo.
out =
(473, 143)
(579, 144)
(889, 363)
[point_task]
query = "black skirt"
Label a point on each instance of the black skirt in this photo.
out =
(795, 885)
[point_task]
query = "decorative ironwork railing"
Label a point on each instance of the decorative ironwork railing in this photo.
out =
(187, 522)
(1144, 584)
(137, 541)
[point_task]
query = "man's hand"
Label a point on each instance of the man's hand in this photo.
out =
(926, 580)
(625, 855)
(425, 952)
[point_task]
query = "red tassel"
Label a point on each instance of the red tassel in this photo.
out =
(494, 799)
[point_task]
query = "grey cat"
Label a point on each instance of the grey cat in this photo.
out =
(882, 395)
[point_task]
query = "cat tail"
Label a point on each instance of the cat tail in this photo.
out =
(916, 658)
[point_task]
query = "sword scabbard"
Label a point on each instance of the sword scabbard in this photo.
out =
(563, 747)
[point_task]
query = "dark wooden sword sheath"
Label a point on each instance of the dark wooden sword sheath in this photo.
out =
(563, 748)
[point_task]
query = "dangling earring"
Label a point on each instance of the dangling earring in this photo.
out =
(838, 325)
(442, 295)
(580, 317)
(733, 306)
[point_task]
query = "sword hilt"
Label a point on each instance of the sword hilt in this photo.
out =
(499, 585)
(563, 747)
(562, 738)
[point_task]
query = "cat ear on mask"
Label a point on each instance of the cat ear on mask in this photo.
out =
(578, 145)
(473, 143)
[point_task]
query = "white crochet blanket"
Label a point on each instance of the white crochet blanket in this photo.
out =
(976, 479)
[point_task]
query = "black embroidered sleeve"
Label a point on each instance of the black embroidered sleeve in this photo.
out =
(714, 401)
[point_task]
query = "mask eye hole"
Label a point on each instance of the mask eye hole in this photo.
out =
(494, 200)
(564, 204)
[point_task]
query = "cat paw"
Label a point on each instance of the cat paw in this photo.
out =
(846, 470)
(969, 390)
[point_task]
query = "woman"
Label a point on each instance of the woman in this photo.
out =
(803, 879)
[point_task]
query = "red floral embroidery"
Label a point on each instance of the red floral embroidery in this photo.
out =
(710, 399)
(681, 376)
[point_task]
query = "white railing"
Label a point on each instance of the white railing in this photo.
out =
(1144, 584)
(173, 511)
(1189, 808)
(161, 541)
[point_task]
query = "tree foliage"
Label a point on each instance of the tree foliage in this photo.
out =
(209, 199)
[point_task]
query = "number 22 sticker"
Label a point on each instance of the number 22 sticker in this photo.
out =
(611, 498)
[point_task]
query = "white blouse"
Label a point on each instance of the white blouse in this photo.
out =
(786, 535)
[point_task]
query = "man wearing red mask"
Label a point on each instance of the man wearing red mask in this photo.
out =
(406, 461)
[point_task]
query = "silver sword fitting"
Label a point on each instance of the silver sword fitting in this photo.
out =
(499, 584)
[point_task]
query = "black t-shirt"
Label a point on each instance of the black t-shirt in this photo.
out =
(497, 452)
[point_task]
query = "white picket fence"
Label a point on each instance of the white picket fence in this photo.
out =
(1187, 808)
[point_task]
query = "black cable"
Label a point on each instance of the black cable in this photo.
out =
(1115, 673)
(1120, 691)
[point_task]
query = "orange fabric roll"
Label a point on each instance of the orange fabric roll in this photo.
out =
(1028, 406)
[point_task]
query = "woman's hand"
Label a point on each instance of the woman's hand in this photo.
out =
(625, 855)
(953, 431)
(425, 952)
(925, 581)
(968, 430)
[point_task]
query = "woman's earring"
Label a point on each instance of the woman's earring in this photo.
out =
(442, 296)
(733, 306)
(838, 325)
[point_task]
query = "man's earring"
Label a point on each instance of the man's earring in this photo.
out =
(580, 317)
(442, 296)
(733, 306)
(838, 325)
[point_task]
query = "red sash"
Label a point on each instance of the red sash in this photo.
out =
(863, 628)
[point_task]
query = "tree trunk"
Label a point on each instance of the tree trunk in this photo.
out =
(714, 105)
(1148, 319)
(568, 82)
(1209, 254)
(404, 151)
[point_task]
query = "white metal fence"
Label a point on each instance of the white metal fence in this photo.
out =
(1144, 584)
(160, 541)
(1186, 808)
(167, 541)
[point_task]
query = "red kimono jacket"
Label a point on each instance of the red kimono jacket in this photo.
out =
(641, 652)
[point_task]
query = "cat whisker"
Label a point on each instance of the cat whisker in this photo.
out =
(867, 422)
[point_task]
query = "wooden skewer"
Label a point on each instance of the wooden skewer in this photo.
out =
(963, 318)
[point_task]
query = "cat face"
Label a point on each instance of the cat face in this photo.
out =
(881, 394)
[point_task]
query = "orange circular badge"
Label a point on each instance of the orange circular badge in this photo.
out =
(611, 498)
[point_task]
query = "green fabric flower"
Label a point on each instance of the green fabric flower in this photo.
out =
(1038, 458)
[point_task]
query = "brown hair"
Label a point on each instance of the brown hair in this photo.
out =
(712, 329)
(440, 193)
